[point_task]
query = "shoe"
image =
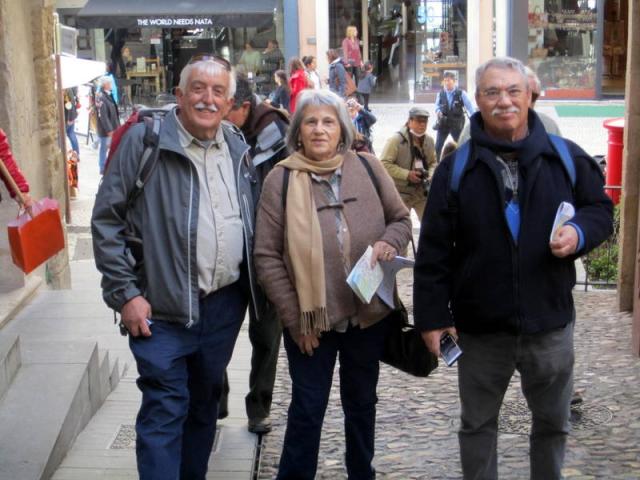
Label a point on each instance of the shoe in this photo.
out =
(576, 399)
(260, 425)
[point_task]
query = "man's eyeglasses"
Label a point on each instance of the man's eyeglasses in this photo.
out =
(494, 94)
(209, 57)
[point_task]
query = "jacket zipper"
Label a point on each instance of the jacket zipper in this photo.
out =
(246, 222)
(190, 323)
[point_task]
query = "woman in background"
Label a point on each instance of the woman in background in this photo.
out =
(280, 97)
(351, 52)
(298, 81)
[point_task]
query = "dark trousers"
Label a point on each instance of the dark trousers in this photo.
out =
(359, 351)
(443, 133)
(364, 99)
(181, 380)
(73, 139)
(264, 335)
(545, 362)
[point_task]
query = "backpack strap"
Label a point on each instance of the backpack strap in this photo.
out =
(562, 149)
(285, 187)
(150, 155)
(460, 160)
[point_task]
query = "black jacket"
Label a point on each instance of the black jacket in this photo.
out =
(477, 277)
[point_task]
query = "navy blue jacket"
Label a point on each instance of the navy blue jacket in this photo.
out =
(477, 278)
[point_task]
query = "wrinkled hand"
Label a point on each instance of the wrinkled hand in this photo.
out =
(382, 251)
(307, 343)
(432, 338)
(565, 242)
(415, 176)
(134, 316)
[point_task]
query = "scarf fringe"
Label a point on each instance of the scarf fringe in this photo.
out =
(314, 321)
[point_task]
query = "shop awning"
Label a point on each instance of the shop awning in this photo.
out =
(76, 71)
(175, 13)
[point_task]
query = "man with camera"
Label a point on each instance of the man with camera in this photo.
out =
(451, 103)
(410, 158)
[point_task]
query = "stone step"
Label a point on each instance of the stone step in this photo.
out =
(56, 391)
(9, 361)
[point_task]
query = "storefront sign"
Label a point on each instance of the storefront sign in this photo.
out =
(174, 22)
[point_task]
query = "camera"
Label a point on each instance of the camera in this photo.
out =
(449, 349)
(426, 183)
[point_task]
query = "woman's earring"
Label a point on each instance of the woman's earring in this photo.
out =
(298, 144)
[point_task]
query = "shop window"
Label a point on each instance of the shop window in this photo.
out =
(561, 46)
(441, 45)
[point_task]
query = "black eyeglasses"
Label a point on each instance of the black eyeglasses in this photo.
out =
(210, 57)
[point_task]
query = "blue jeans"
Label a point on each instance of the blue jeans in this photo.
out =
(545, 362)
(105, 142)
(359, 351)
(71, 133)
(181, 379)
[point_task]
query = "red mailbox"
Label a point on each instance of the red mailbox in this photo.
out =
(615, 142)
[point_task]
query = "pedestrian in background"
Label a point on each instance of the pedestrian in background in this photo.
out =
(108, 118)
(177, 265)
(487, 272)
(280, 97)
(410, 158)
(337, 73)
(362, 120)
(310, 66)
(71, 106)
(366, 84)
(250, 62)
(264, 129)
(308, 238)
(351, 52)
(451, 103)
(298, 81)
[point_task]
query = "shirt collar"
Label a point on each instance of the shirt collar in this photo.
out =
(186, 139)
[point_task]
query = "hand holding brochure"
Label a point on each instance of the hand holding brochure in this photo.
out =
(565, 213)
(390, 269)
(363, 279)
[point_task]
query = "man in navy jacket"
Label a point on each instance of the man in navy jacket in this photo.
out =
(487, 272)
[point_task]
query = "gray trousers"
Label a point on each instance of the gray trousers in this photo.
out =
(545, 362)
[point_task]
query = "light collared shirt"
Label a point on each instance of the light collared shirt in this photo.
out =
(220, 240)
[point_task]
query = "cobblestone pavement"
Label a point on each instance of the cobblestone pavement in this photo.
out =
(418, 418)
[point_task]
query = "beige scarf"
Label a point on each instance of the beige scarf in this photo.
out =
(304, 240)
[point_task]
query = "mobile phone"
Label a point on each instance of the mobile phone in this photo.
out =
(450, 351)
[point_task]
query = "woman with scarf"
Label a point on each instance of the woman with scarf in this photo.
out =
(319, 211)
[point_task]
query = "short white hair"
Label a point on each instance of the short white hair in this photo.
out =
(502, 63)
(102, 81)
(208, 67)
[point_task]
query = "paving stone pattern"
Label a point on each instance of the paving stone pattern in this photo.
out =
(417, 419)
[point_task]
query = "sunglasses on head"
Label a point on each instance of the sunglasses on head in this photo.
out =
(210, 57)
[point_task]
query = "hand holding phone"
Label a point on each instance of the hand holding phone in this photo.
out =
(450, 351)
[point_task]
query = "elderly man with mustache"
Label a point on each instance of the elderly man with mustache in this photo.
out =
(184, 302)
(489, 272)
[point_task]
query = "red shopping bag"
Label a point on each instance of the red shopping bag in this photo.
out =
(35, 240)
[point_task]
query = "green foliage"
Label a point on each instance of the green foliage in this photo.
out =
(602, 263)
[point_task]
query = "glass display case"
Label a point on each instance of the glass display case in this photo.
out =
(561, 47)
(441, 45)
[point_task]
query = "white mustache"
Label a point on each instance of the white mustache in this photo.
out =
(204, 106)
(500, 111)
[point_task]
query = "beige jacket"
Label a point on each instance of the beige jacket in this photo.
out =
(397, 159)
(369, 218)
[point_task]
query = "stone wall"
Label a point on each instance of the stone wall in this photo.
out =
(29, 116)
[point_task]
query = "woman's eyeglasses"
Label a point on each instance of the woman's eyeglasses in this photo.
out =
(209, 57)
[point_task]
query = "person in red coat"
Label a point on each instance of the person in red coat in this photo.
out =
(298, 81)
(7, 158)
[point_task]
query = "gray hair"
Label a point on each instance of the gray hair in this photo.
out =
(533, 77)
(208, 67)
(310, 97)
(503, 63)
(102, 81)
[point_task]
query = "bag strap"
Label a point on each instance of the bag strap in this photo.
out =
(460, 160)
(562, 149)
(287, 173)
(150, 155)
